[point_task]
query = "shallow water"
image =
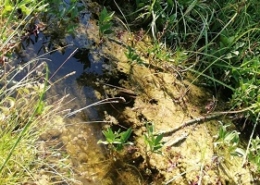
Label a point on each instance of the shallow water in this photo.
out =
(65, 55)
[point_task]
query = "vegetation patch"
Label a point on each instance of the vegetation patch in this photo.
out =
(181, 85)
(26, 116)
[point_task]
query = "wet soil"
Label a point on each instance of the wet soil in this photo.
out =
(167, 99)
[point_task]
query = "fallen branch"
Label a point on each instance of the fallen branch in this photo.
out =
(204, 119)
(190, 122)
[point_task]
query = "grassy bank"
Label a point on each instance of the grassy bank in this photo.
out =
(24, 117)
(25, 114)
(217, 41)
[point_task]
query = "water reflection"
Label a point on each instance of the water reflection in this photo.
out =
(79, 138)
(75, 53)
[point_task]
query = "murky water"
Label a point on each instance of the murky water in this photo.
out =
(67, 54)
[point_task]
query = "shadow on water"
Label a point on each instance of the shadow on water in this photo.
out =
(75, 53)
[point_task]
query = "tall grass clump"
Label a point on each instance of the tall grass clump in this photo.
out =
(24, 117)
(235, 52)
(221, 39)
(24, 112)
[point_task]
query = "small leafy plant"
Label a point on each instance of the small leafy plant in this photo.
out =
(104, 22)
(116, 140)
(229, 139)
(132, 56)
(254, 152)
(65, 13)
(154, 142)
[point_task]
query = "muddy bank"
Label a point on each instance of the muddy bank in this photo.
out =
(156, 92)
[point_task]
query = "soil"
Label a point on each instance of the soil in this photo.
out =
(158, 94)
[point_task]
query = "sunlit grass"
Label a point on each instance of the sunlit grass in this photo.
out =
(24, 117)
(25, 113)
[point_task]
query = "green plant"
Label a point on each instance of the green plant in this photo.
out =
(104, 22)
(116, 140)
(24, 112)
(235, 48)
(24, 116)
(158, 53)
(65, 14)
(25, 7)
(132, 56)
(154, 142)
(253, 155)
(252, 152)
(227, 139)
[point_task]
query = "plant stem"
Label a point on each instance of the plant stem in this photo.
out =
(250, 140)
(105, 101)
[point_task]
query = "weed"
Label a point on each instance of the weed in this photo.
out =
(158, 53)
(64, 14)
(116, 140)
(154, 142)
(132, 56)
(104, 22)
(25, 7)
(253, 155)
(24, 116)
(227, 139)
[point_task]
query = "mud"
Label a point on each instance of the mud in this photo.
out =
(166, 99)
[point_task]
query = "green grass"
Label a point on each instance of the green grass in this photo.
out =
(221, 39)
(24, 116)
